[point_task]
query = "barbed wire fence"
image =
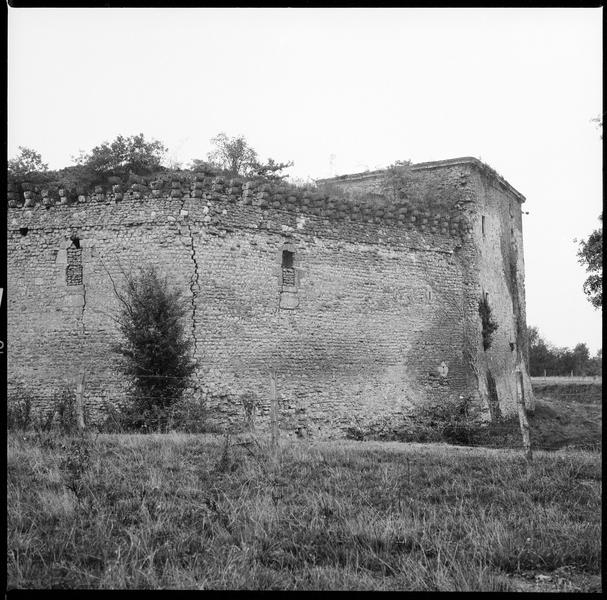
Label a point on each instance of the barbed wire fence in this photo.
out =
(521, 431)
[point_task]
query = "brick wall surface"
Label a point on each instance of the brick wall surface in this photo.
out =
(378, 312)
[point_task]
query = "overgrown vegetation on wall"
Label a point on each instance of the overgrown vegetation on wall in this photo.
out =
(395, 180)
(124, 155)
(237, 158)
(26, 161)
(133, 159)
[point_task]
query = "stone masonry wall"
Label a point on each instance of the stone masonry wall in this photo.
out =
(493, 209)
(375, 318)
(498, 236)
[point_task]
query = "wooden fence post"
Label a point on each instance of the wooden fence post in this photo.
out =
(79, 402)
(522, 415)
(274, 417)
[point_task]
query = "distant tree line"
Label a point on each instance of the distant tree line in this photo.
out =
(544, 358)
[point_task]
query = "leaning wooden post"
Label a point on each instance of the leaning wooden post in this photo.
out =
(79, 402)
(274, 417)
(522, 415)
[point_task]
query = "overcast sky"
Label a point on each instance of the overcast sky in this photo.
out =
(339, 91)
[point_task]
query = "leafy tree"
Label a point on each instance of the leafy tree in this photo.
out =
(565, 362)
(26, 161)
(234, 155)
(540, 356)
(271, 169)
(590, 254)
(533, 336)
(395, 180)
(237, 158)
(124, 155)
(595, 365)
(156, 351)
(545, 358)
(581, 358)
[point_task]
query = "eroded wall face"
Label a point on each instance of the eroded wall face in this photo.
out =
(498, 236)
(370, 322)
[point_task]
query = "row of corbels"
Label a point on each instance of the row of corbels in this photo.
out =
(263, 195)
(176, 188)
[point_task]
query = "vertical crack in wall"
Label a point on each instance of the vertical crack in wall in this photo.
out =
(194, 280)
(83, 305)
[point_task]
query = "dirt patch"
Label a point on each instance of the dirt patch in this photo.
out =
(563, 579)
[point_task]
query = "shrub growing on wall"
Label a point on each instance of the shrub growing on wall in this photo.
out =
(156, 351)
(395, 180)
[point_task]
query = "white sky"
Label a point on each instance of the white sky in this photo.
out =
(514, 87)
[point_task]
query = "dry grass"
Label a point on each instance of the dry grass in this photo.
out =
(131, 511)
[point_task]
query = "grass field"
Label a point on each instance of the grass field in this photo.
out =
(187, 511)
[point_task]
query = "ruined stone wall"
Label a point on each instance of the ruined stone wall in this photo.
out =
(496, 270)
(498, 236)
(376, 316)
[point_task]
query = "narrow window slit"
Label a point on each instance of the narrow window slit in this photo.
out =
(73, 271)
(287, 259)
(288, 272)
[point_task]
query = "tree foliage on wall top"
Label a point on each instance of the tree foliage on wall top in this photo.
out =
(124, 155)
(27, 161)
(236, 157)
